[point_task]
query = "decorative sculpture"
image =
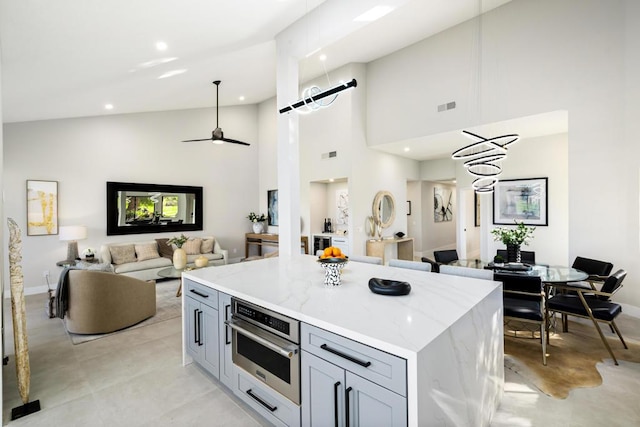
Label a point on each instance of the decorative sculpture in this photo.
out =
(23, 370)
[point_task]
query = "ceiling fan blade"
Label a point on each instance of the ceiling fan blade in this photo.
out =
(234, 141)
(197, 140)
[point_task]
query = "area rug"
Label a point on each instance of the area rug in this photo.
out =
(571, 357)
(168, 306)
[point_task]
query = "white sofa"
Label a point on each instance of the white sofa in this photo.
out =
(147, 269)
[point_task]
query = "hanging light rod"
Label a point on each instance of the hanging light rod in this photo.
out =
(312, 99)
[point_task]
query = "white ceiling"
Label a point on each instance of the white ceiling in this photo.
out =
(68, 58)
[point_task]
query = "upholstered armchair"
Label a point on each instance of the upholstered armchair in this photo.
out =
(101, 302)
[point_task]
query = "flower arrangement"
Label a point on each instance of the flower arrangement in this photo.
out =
(178, 241)
(514, 236)
(253, 217)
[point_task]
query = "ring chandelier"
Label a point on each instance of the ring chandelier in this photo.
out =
(483, 159)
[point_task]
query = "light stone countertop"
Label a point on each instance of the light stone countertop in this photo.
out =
(400, 325)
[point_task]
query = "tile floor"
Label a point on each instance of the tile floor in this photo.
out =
(136, 378)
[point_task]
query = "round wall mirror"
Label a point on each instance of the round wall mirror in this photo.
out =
(384, 209)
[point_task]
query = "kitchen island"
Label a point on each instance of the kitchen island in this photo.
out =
(449, 329)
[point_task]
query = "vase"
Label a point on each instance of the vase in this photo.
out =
(257, 227)
(179, 259)
(513, 253)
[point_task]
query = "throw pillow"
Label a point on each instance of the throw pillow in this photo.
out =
(123, 254)
(207, 246)
(164, 248)
(147, 251)
(192, 246)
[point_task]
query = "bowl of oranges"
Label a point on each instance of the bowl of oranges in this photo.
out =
(333, 261)
(332, 254)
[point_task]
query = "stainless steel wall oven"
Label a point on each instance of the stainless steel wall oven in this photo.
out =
(267, 345)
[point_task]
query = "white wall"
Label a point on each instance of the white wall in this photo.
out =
(82, 154)
(537, 56)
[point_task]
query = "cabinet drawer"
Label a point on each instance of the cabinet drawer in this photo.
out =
(382, 368)
(276, 408)
(201, 293)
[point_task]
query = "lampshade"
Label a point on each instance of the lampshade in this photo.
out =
(73, 232)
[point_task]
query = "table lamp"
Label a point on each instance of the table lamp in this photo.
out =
(72, 234)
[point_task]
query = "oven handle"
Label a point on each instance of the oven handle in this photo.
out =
(280, 350)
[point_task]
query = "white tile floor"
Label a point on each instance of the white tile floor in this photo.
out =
(136, 378)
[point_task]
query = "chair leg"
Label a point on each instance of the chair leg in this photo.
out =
(595, 323)
(543, 336)
(615, 327)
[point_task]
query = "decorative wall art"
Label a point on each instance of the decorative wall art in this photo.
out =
(522, 200)
(342, 207)
(42, 208)
(272, 207)
(442, 204)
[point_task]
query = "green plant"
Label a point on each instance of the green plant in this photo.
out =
(178, 241)
(514, 236)
(253, 217)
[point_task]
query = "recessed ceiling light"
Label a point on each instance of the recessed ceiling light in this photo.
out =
(241, 98)
(161, 46)
(172, 73)
(152, 63)
(322, 57)
(374, 13)
(108, 106)
(407, 149)
(331, 179)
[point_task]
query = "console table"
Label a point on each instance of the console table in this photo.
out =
(405, 248)
(264, 239)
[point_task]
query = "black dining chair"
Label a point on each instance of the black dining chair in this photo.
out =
(592, 304)
(445, 257)
(598, 271)
(435, 267)
(523, 301)
(527, 257)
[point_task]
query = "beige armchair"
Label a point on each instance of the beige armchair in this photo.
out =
(101, 302)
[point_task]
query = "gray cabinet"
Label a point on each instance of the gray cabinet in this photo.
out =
(201, 319)
(226, 363)
(345, 383)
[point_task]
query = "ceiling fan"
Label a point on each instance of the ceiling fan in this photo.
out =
(217, 136)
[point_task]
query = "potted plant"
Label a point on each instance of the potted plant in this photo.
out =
(89, 254)
(179, 255)
(257, 221)
(513, 238)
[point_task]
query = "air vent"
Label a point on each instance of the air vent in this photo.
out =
(448, 106)
(329, 155)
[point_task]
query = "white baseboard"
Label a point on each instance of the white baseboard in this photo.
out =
(631, 310)
(31, 290)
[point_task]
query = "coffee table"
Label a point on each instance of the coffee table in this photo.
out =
(174, 273)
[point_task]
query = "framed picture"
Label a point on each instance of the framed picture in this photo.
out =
(476, 209)
(272, 207)
(522, 200)
(42, 208)
(442, 204)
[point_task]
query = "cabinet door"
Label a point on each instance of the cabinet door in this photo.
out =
(370, 405)
(193, 332)
(226, 364)
(210, 354)
(322, 392)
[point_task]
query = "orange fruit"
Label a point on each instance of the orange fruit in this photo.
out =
(328, 251)
(337, 252)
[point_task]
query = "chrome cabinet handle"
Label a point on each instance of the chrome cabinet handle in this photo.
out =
(260, 401)
(280, 350)
(345, 356)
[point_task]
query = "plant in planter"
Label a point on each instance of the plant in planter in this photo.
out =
(179, 255)
(513, 238)
(89, 253)
(258, 221)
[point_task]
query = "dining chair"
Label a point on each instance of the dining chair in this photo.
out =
(592, 304)
(435, 267)
(523, 301)
(412, 265)
(527, 257)
(598, 271)
(445, 257)
(368, 259)
(477, 273)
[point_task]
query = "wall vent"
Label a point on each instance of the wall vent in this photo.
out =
(329, 155)
(448, 106)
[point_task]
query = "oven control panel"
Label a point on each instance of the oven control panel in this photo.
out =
(277, 323)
